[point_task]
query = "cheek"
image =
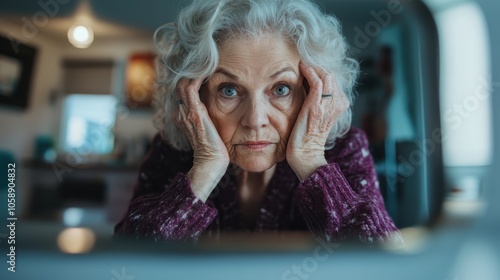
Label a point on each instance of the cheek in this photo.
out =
(223, 120)
(291, 105)
(288, 111)
(218, 104)
(226, 106)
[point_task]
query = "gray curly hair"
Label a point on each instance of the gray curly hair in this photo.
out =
(188, 48)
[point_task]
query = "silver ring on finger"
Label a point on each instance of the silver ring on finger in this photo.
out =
(326, 95)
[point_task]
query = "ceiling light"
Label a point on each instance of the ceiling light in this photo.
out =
(81, 36)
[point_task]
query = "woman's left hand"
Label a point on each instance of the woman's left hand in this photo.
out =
(324, 104)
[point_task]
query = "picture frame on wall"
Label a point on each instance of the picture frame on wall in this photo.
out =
(16, 70)
(140, 81)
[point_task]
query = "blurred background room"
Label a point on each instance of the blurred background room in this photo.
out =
(77, 80)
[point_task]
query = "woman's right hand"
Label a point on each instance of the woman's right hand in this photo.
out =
(211, 158)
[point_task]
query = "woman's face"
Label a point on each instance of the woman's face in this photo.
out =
(254, 98)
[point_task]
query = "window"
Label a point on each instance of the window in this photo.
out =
(87, 124)
(465, 86)
(88, 110)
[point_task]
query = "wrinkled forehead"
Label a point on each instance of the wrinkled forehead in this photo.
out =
(242, 56)
(224, 36)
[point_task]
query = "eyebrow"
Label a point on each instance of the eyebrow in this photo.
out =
(286, 69)
(234, 77)
(226, 73)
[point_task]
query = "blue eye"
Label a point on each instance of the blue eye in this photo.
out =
(228, 91)
(282, 90)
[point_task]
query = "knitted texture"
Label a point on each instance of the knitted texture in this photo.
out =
(338, 201)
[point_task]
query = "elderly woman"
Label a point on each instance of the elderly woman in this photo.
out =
(255, 99)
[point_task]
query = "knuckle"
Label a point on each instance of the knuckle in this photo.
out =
(176, 120)
(191, 87)
(317, 84)
(192, 117)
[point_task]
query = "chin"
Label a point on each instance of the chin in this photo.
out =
(255, 164)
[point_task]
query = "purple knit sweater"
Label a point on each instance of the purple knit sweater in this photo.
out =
(338, 201)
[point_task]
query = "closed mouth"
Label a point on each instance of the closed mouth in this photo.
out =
(256, 145)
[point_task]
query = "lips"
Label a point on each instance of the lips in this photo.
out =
(256, 145)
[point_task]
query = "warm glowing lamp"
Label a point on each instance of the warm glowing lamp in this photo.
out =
(76, 240)
(81, 36)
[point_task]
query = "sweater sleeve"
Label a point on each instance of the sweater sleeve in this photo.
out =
(342, 200)
(163, 205)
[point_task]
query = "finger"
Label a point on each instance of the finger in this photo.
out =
(329, 103)
(341, 102)
(313, 111)
(340, 105)
(321, 111)
(186, 101)
(328, 82)
(192, 95)
(177, 101)
(182, 111)
(195, 115)
(314, 81)
(181, 89)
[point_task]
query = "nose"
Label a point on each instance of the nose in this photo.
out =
(255, 115)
